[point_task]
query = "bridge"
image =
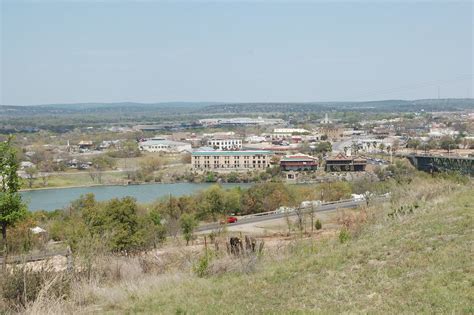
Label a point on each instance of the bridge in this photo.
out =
(432, 163)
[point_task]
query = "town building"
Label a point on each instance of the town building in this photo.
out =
(332, 132)
(163, 145)
(298, 162)
(237, 160)
(225, 144)
(326, 120)
(255, 139)
(342, 163)
(381, 132)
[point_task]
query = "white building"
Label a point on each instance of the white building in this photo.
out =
(290, 131)
(163, 145)
(225, 144)
(240, 121)
(326, 120)
(283, 133)
(255, 139)
(441, 132)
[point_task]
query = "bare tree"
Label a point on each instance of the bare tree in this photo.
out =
(31, 174)
(45, 179)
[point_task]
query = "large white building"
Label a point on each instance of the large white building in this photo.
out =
(240, 121)
(163, 145)
(225, 144)
(283, 133)
(231, 160)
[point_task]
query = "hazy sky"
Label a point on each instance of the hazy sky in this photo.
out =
(152, 51)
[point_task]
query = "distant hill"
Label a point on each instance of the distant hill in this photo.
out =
(369, 106)
(200, 108)
(89, 108)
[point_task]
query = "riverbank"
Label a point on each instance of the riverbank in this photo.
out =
(164, 176)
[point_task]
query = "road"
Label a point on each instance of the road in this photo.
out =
(272, 216)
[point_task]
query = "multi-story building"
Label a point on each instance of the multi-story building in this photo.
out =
(238, 160)
(342, 163)
(298, 162)
(225, 143)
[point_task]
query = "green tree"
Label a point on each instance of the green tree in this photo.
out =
(413, 144)
(122, 225)
(447, 143)
(159, 230)
(188, 224)
(12, 208)
(116, 222)
(323, 147)
(130, 149)
(318, 225)
(232, 200)
(213, 202)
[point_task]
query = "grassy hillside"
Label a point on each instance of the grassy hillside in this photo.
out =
(416, 261)
(410, 255)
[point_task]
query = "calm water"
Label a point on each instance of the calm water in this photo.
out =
(51, 199)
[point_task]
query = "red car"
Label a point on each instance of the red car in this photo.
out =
(229, 220)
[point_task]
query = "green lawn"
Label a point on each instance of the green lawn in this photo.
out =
(70, 179)
(416, 263)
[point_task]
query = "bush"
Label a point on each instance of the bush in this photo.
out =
(202, 267)
(318, 225)
(344, 236)
(210, 178)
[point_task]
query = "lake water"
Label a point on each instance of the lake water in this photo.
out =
(51, 199)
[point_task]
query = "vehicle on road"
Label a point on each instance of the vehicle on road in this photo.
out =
(310, 203)
(284, 210)
(357, 197)
(229, 220)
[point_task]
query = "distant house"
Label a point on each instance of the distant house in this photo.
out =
(74, 163)
(342, 163)
(381, 132)
(108, 144)
(86, 145)
(298, 162)
(163, 145)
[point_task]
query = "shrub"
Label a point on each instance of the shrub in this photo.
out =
(210, 178)
(318, 225)
(344, 236)
(202, 267)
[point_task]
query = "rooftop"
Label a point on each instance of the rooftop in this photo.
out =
(161, 142)
(228, 153)
(298, 158)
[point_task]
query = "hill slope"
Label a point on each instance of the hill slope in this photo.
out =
(416, 262)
